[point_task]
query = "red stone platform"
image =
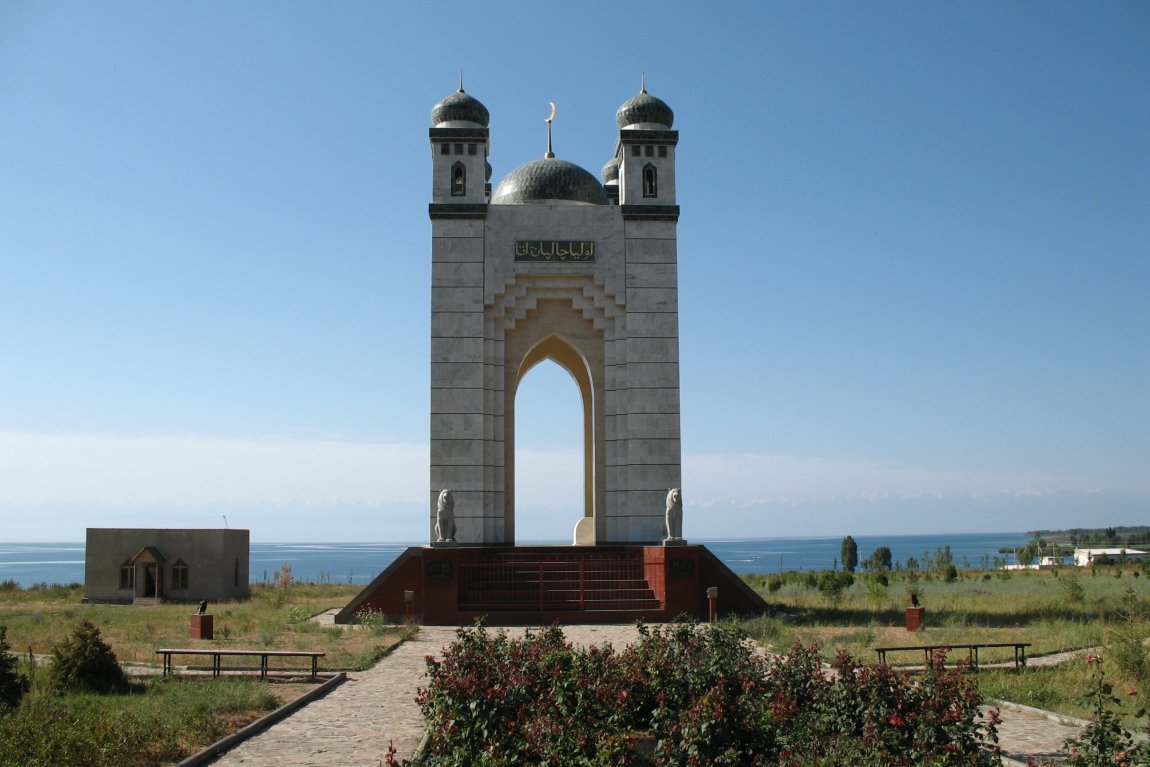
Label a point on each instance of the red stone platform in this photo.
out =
(518, 585)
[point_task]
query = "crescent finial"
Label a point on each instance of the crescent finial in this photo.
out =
(550, 117)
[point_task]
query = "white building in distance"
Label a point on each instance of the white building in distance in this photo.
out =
(1088, 557)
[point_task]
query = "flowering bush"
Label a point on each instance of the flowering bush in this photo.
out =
(702, 693)
(1104, 741)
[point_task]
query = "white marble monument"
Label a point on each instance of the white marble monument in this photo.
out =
(555, 264)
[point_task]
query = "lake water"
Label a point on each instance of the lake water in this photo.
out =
(358, 563)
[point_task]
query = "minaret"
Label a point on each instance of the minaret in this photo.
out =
(459, 148)
(459, 202)
(645, 153)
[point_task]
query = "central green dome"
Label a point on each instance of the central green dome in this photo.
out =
(549, 179)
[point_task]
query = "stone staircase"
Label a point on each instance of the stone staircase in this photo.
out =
(609, 582)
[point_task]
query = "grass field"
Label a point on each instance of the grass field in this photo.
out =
(1056, 611)
(162, 721)
(273, 618)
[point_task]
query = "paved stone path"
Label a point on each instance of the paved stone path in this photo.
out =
(353, 725)
(1030, 733)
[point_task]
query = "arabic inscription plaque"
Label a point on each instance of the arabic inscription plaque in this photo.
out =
(555, 250)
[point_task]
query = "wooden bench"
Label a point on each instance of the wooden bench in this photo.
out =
(972, 650)
(263, 656)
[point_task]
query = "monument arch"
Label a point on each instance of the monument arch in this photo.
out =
(554, 263)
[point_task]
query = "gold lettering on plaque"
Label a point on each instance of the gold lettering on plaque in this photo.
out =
(555, 250)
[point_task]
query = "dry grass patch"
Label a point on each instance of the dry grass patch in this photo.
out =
(274, 618)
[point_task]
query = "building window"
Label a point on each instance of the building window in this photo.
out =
(471, 149)
(180, 575)
(458, 180)
(127, 575)
(445, 148)
(650, 181)
(459, 148)
(650, 151)
(662, 151)
(636, 150)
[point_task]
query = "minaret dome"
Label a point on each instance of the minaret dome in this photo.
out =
(460, 110)
(644, 111)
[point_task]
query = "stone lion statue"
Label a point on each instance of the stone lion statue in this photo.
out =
(445, 517)
(673, 524)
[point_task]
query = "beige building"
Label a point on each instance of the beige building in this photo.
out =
(555, 264)
(131, 565)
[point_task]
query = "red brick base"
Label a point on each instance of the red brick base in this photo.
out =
(516, 585)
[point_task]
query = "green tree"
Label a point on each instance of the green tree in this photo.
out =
(850, 554)
(84, 661)
(1025, 556)
(832, 584)
(881, 560)
(13, 684)
(942, 559)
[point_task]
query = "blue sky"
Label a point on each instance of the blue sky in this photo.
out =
(913, 259)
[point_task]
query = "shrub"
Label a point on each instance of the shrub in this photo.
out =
(1126, 640)
(1104, 741)
(702, 693)
(84, 661)
(1072, 589)
(13, 684)
(297, 614)
(374, 621)
(832, 583)
(902, 721)
(763, 628)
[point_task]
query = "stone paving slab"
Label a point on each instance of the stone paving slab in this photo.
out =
(1030, 733)
(353, 725)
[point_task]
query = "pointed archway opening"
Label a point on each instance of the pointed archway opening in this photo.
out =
(554, 331)
(549, 449)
